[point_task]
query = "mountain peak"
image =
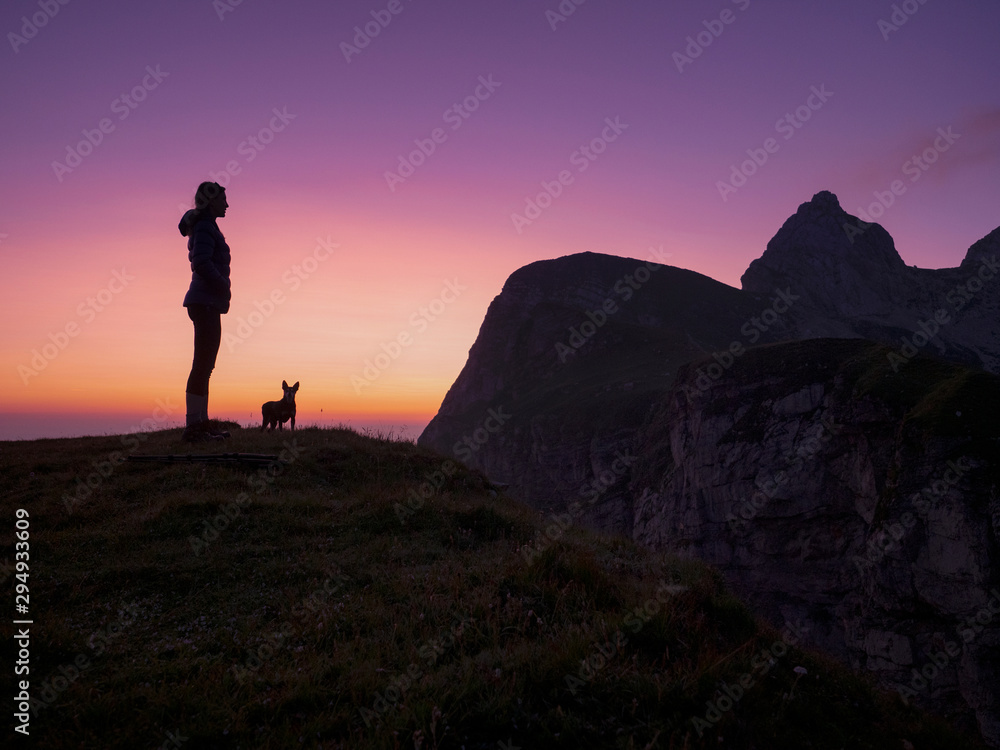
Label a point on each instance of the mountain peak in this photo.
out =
(824, 201)
(986, 249)
(836, 258)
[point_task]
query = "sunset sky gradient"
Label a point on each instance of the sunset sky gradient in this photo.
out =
(113, 112)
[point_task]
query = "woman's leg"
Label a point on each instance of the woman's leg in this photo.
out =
(207, 338)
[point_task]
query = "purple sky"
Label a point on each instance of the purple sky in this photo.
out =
(266, 88)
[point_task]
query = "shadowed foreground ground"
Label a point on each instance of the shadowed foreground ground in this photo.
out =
(368, 593)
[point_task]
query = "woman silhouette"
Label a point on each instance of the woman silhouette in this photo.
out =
(207, 299)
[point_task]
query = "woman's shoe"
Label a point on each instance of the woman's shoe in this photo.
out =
(213, 427)
(198, 433)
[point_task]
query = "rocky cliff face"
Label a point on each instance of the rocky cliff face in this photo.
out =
(572, 350)
(654, 402)
(564, 365)
(833, 491)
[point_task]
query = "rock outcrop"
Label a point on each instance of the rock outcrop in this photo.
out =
(833, 491)
(566, 361)
(652, 401)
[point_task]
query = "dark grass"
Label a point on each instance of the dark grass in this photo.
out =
(320, 615)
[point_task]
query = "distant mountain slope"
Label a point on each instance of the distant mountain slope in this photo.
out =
(549, 350)
(570, 349)
(853, 283)
(561, 398)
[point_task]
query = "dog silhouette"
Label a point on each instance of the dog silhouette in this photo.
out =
(276, 413)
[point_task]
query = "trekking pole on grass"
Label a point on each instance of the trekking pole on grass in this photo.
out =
(212, 458)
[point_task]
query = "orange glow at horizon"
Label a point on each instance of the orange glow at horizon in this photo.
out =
(370, 290)
(373, 318)
(306, 308)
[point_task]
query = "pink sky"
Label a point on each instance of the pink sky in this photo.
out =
(334, 259)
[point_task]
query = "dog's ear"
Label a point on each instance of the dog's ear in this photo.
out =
(296, 386)
(284, 384)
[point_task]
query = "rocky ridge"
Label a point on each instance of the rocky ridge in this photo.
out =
(654, 402)
(833, 491)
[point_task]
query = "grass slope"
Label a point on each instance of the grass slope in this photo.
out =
(371, 594)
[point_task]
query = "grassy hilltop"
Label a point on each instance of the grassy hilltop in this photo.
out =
(367, 593)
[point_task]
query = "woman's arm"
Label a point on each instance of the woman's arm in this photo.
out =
(202, 252)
